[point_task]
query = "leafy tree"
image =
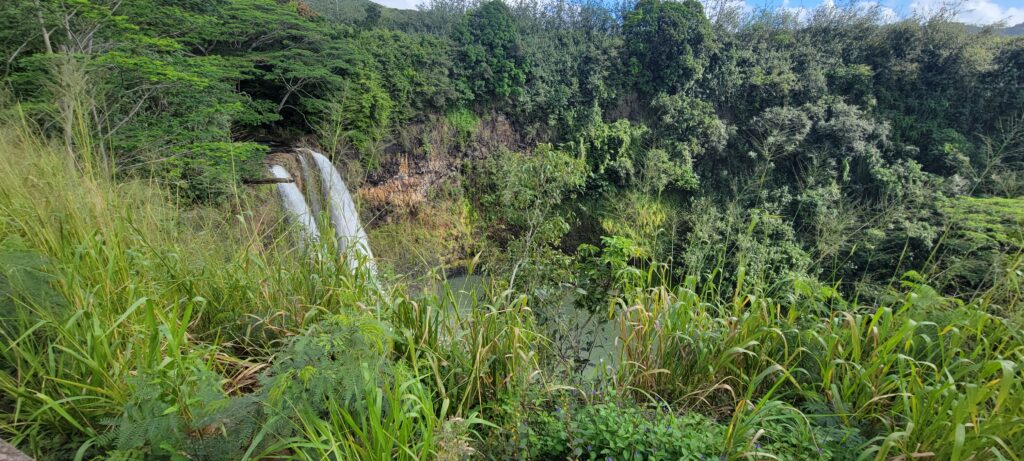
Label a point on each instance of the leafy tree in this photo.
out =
(413, 68)
(1005, 82)
(611, 150)
(521, 204)
(927, 80)
(687, 128)
(572, 55)
(492, 62)
(667, 45)
(374, 17)
(357, 115)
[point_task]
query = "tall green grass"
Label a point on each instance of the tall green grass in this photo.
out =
(116, 298)
(924, 376)
(135, 327)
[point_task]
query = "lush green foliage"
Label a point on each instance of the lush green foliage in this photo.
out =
(602, 430)
(667, 45)
(730, 236)
(489, 53)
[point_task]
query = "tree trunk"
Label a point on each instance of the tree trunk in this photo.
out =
(42, 25)
(268, 181)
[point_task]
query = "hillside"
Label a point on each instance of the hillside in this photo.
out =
(1010, 31)
(355, 11)
(325, 230)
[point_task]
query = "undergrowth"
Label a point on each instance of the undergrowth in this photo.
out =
(134, 328)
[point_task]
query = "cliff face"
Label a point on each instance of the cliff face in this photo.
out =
(428, 156)
(413, 204)
(409, 188)
(288, 160)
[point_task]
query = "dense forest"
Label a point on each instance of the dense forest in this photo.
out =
(637, 230)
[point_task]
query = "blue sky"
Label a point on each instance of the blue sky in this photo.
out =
(972, 11)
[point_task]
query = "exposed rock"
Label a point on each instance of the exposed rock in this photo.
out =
(426, 155)
(409, 187)
(289, 162)
(9, 453)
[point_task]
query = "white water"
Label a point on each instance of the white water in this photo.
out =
(347, 227)
(308, 183)
(295, 204)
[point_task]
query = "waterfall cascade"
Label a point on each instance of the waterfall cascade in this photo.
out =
(295, 204)
(308, 176)
(351, 238)
(344, 217)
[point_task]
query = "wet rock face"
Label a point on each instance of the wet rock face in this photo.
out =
(424, 157)
(409, 187)
(290, 163)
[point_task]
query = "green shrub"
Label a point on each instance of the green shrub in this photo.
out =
(611, 150)
(328, 363)
(985, 237)
(465, 123)
(181, 411)
(619, 430)
(209, 172)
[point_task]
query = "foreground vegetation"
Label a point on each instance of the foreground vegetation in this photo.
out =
(699, 234)
(136, 329)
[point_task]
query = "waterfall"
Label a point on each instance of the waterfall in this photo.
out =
(309, 183)
(334, 196)
(295, 204)
(342, 208)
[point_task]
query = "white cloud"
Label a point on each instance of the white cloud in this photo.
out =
(885, 14)
(400, 4)
(974, 11)
(715, 7)
(803, 13)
